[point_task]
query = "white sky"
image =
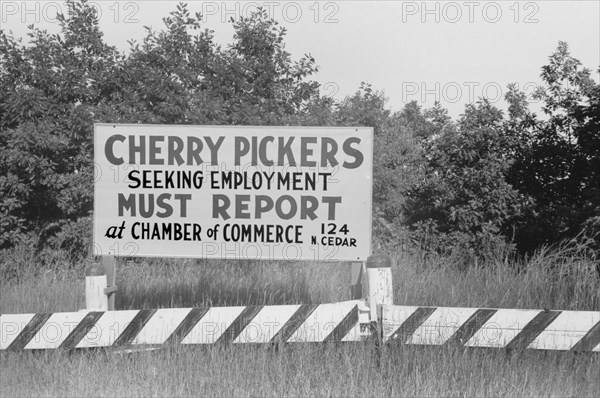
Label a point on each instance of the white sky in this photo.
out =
(452, 51)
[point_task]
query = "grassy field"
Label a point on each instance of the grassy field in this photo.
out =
(563, 278)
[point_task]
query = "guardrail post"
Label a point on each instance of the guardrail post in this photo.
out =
(95, 284)
(110, 267)
(100, 285)
(357, 280)
(379, 285)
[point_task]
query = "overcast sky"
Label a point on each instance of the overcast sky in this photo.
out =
(412, 50)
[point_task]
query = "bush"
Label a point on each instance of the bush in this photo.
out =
(464, 203)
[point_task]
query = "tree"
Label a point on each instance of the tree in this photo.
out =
(465, 201)
(398, 160)
(527, 180)
(268, 88)
(558, 160)
(424, 124)
(367, 108)
(49, 91)
(55, 88)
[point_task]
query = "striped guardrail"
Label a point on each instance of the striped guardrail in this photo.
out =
(336, 322)
(242, 324)
(499, 328)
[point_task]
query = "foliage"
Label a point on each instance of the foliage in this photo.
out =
(55, 88)
(473, 188)
(398, 160)
(464, 197)
(558, 160)
(48, 93)
(495, 181)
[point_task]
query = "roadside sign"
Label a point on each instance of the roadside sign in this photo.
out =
(264, 193)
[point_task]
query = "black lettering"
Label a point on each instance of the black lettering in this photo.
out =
(132, 176)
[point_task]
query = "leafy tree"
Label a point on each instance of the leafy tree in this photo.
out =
(55, 88)
(268, 87)
(524, 179)
(49, 91)
(367, 108)
(179, 75)
(477, 184)
(168, 77)
(424, 124)
(398, 160)
(439, 120)
(465, 201)
(558, 159)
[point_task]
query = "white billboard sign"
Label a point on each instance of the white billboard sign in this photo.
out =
(293, 193)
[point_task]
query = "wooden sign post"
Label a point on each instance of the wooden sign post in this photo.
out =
(110, 268)
(95, 285)
(371, 281)
(100, 285)
(379, 281)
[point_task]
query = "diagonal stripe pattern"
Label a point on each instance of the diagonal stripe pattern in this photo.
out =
(533, 329)
(81, 330)
(500, 328)
(251, 324)
(470, 327)
(28, 332)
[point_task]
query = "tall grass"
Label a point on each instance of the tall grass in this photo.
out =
(563, 277)
(300, 370)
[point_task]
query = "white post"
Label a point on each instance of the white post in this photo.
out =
(95, 285)
(357, 280)
(110, 269)
(379, 284)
